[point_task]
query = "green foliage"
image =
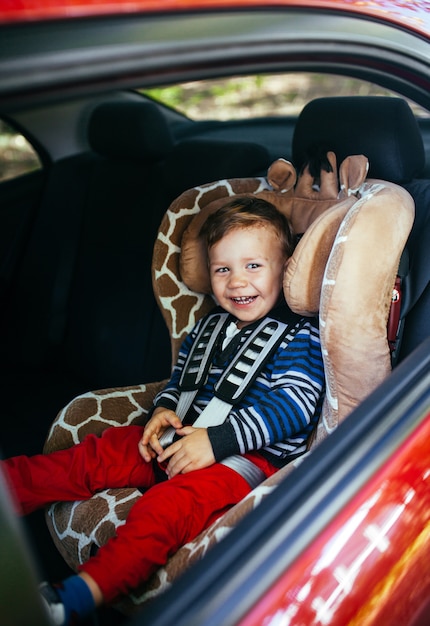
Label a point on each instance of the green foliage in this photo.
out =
(258, 95)
(238, 97)
(16, 153)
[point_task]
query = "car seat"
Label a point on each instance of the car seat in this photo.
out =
(82, 313)
(347, 214)
(382, 128)
(386, 131)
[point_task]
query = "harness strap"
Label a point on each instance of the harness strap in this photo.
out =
(199, 359)
(196, 367)
(238, 376)
(249, 360)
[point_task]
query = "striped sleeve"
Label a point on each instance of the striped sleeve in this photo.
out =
(280, 410)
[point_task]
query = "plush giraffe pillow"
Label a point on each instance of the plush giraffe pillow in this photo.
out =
(302, 204)
(315, 212)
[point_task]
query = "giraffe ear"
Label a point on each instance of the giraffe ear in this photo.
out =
(281, 175)
(353, 173)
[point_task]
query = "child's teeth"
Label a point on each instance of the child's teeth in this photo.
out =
(244, 300)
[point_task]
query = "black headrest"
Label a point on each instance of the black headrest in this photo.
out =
(129, 130)
(383, 129)
(199, 161)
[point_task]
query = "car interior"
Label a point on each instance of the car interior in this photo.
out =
(178, 289)
(79, 312)
(72, 311)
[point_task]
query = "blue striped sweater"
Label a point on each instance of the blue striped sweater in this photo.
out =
(279, 410)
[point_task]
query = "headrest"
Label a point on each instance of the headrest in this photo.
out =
(198, 161)
(129, 130)
(382, 128)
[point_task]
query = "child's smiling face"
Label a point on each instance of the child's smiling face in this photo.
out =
(246, 270)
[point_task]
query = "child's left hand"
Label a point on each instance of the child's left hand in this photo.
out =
(193, 451)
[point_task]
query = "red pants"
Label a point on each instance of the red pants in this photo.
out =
(167, 516)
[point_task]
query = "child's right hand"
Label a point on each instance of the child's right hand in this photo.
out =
(161, 419)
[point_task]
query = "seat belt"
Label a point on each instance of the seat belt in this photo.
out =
(233, 383)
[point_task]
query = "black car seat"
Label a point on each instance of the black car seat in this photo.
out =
(386, 131)
(82, 313)
(115, 329)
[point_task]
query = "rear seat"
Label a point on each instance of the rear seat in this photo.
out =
(83, 315)
(385, 130)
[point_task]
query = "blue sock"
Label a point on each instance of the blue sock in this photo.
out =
(76, 597)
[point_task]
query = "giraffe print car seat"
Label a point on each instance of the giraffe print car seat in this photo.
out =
(352, 233)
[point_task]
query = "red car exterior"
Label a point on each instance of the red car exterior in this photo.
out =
(371, 559)
(410, 15)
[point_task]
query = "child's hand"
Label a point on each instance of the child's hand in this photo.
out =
(161, 419)
(193, 451)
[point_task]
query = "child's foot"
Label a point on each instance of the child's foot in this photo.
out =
(54, 606)
(68, 602)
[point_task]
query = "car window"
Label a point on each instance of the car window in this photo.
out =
(17, 155)
(244, 97)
